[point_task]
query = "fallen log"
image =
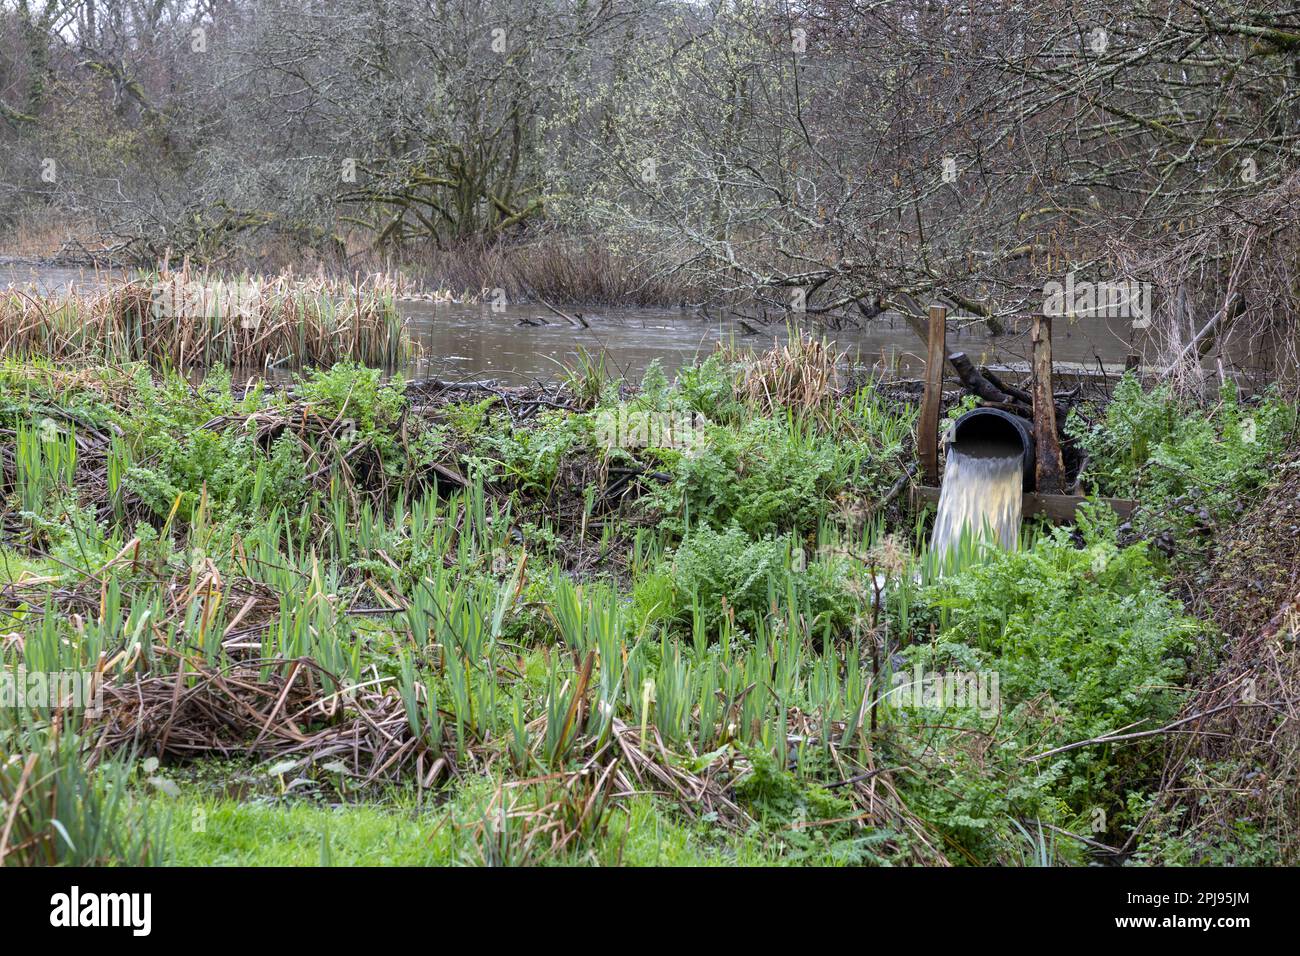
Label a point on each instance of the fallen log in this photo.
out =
(1017, 393)
(993, 390)
(977, 384)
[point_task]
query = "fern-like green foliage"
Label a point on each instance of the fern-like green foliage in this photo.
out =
(767, 476)
(1189, 465)
(1084, 643)
(529, 458)
(716, 573)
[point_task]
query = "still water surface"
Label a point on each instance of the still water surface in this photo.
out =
(528, 343)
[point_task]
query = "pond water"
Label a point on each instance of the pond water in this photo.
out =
(526, 343)
(515, 346)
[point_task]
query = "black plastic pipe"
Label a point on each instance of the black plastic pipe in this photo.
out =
(985, 432)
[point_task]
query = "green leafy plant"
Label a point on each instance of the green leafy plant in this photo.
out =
(1084, 643)
(1189, 466)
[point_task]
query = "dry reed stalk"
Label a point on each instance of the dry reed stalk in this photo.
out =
(801, 374)
(188, 320)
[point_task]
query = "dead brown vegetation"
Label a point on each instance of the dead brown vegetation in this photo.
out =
(186, 319)
(1239, 761)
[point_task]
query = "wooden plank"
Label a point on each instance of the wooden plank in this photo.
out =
(927, 435)
(1049, 466)
(1058, 508)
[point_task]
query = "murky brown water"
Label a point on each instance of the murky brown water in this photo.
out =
(527, 343)
(49, 278)
(457, 340)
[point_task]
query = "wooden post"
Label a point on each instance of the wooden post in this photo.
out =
(1049, 468)
(927, 439)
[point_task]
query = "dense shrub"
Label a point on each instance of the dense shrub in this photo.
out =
(1189, 466)
(1084, 643)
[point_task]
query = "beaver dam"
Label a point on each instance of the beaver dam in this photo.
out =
(288, 320)
(453, 622)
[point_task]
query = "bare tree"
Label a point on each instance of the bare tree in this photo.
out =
(830, 157)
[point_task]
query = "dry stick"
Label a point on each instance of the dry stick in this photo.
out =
(176, 696)
(898, 486)
(15, 803)
(1229, 311)
(284, 694)
(578, 322)
(1203, 340)
(1140, 734)
(860, 777)
(1082, 839)
(243, 612)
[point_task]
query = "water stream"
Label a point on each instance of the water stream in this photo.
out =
(980, 495)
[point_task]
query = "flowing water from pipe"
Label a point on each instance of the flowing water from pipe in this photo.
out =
(980, 495)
